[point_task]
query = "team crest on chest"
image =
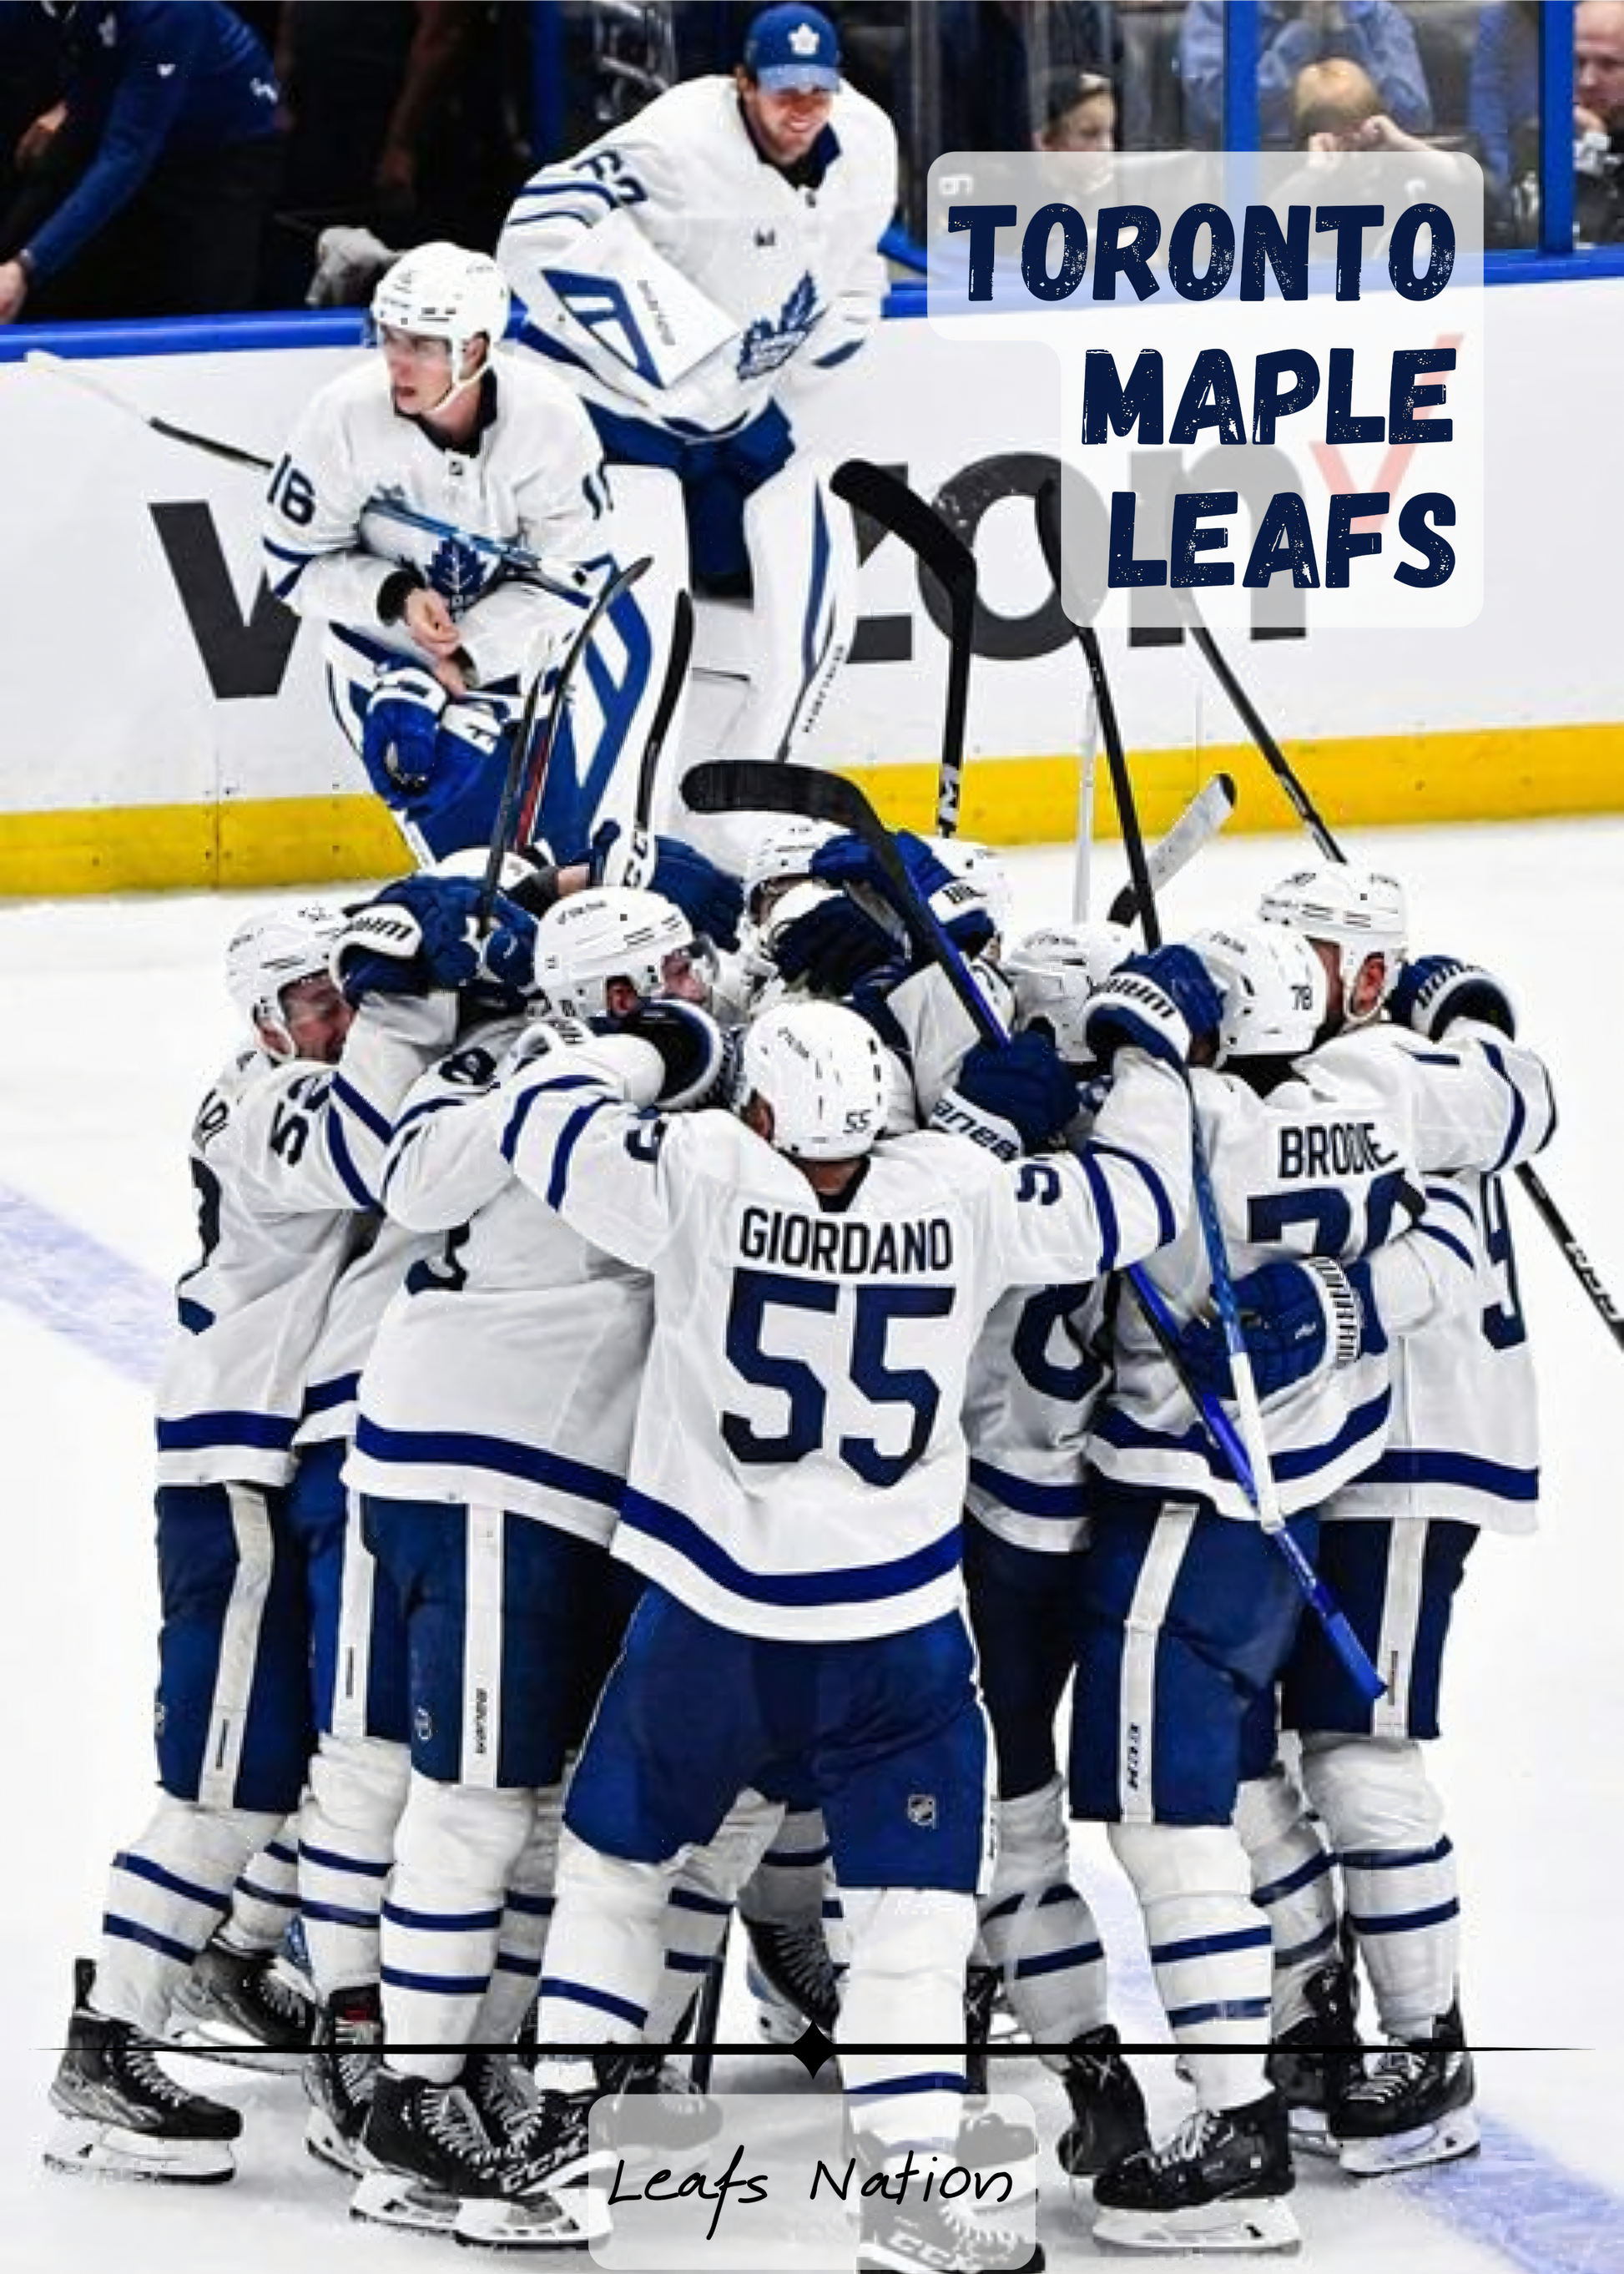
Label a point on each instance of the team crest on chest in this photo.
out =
(766, 345)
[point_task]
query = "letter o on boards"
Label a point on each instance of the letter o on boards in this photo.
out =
(967, 497)
(1180, 253)
(1035, 252)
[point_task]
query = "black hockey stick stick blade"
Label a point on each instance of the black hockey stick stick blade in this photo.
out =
(885, 498)
(677, 655)
(1196, 826)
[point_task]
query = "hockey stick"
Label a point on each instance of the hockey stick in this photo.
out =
(1196, 826)
(1303, 805)
(535, 779)
(502, 829)
(743, 784)
(517, 557)
(708, 2013)
(677, 656)
(869, 489)
(1082, 858)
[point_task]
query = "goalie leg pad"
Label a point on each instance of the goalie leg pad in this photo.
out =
(803, 569)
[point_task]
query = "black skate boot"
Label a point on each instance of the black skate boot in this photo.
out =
(1410, 2105)
(1108, 2108)
(912, 2229)
(1312, 2063)
(669, 2117)
(981, 1987)
(1220, 2183)
(439, 2168)
(503, 2092)
(794, 1965)
(122, 2115)
(240, 2006)
(339, 2074)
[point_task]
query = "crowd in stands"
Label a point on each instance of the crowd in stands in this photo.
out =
(168, 157)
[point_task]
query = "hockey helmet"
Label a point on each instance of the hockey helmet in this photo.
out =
(1358, 911)
(822, 1070)
(271, 953)
(439, 291)
(1274, 986)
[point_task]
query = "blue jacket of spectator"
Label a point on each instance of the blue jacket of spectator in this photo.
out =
(1374, 34)
(1505, 85)
(147, 79)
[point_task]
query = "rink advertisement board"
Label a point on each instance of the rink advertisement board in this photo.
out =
(164, 721)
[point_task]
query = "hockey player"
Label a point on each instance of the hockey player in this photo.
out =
(1462, 1455)
(697, 273)
(794, 1504)
(432, 640)
(1187, 1612)
(285, 1151)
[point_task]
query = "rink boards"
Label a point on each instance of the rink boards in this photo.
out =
(163, 723)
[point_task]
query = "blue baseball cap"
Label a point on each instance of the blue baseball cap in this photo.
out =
(793, 48)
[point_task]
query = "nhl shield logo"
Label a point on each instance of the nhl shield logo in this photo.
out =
(923, 1810)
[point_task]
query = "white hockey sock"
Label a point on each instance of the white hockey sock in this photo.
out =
(527, 1916)
(905, 1986)
(455, 1849)
(166, 1892)
(605, 1956)
(1293, 1882)
(358, 1789)
(701, 1900)
(1208, 1948)
(1398, 1871)
(265, 1897)
(1037, 1928)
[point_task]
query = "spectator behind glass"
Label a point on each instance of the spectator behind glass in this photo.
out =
(1336, 105)
(152, 188)
(1291, 33)
(993, 58)
(1598, 121)
(1076, 111)
(1505, 84)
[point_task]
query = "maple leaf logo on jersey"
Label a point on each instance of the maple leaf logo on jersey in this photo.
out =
(459, 575)
(765, 346)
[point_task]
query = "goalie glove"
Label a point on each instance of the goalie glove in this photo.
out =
(1298, 1319)
(1008, 1097)
(399, 730)
(712, 901)
(694, 1055)
(1163, 1002)
(1431, 993)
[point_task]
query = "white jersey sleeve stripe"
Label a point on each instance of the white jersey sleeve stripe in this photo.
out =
(1167, 1216)
(861, 1582)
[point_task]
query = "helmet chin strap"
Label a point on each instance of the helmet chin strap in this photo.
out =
(461, 386)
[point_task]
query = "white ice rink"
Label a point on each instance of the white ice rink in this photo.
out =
(112, 1019)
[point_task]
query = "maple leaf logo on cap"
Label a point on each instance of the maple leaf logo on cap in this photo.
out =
(803, 40)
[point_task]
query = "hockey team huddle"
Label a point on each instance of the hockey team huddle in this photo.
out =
(670, 1416)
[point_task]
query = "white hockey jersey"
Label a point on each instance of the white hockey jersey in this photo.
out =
(799, 1464)
(790, 273)
(1035, 1381)
(283, 1156)
(505, 1371)
(533, 479)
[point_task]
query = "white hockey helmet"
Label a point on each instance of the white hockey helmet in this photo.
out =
(1360, 911)
(1274, 987)
(586, 943)
(979, 867)
(1054, 970)
(783, 851)
(822, 1070)
(440, 291)
(272, 952)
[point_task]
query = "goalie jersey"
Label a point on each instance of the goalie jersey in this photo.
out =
(799, 1468)
(680, 279)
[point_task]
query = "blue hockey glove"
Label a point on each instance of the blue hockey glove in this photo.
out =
(1010, 1097)
(693, 1050)
(399, 730)
(1432, 991)
(471, 742)
(1164, 1002)
(420, 933)
(1297, 1320)
(957, 905)
(712, 901)
(826, 941)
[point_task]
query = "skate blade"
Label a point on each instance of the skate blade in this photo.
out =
(193, 2039)
(107, 2151)
(565, 2219)
(1452, 2136)
(1311, 2135)
(326, 2143)
(1267, 2223)
(391, 2199)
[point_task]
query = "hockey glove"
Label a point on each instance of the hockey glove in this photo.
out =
(823, 940)
(399, 730)
(693, 1050)
(1297, 1320)
(1434, 990)
(957, 905)
(710, 899)
(1163, 1002)
(1008, 1097)
(469, 744)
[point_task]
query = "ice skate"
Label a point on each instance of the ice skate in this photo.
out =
(1314, 2060)
(1108, 2108)
(1219, 2184)
(242, 2006)
(338, 2076)
(123, 2116)
(1410, 2107)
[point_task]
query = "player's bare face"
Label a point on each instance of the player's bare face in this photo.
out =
(786, 125)
(318, 1018)
(419, 371)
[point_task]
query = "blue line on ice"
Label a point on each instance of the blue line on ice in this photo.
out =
(1515, 2198)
